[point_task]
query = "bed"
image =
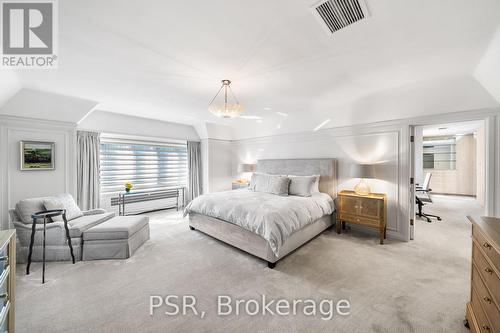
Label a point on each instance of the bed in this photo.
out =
(288, 214)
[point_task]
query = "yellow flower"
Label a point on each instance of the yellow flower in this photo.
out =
(129, 185)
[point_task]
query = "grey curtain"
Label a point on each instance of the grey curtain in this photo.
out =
(87, 186)
(194, 170)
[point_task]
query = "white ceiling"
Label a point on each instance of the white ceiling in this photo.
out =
(461, 128)
(165, 59)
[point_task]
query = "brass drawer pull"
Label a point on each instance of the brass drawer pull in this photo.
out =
(487, 299)
(4, 295)
(486, 327)
(487, 245)
(488, 270)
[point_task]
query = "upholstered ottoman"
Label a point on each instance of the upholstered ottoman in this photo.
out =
(117, 238)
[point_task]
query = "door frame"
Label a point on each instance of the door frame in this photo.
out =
(492, 155)
(412, 213)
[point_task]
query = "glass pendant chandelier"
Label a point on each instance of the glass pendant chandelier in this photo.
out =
(224, 108)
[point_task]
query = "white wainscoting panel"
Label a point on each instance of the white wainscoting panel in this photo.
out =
(17, 184)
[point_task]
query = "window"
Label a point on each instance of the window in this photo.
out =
(147, 165)
(440, 153)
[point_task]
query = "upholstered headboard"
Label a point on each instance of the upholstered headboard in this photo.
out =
(325, 167)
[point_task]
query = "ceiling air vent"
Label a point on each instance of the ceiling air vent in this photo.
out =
(338, 14)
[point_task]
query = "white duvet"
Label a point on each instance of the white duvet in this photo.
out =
(271, 216)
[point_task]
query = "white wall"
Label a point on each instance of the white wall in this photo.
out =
(15, 184)
(38, 104)
(488, 70)
(9, 85)
(219, 158)
(110, 122)
(382, 146)
(428, 98)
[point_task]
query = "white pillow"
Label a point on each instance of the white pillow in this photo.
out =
(304, 186)
(273, 184)
(63, 201)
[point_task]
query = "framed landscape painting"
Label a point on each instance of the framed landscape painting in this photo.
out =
(36, 155)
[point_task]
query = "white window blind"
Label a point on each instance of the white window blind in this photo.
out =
(147, 165)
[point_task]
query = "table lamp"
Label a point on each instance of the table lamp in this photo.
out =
(363, 171)
(246, 168)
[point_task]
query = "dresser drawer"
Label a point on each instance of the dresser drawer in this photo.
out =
(482, 320)
(4, 256)
(485, 299)
(488, 249)
(4, 314)
(359, 220)
(487, 272)
(471, 318)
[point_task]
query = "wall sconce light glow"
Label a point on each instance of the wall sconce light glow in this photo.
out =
(317, 128)
(259, 121)
(282, 114)
(267, 108)
(278, 126)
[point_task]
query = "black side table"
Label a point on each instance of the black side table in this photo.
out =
(45, 215)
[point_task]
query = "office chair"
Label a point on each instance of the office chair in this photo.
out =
(421, 199)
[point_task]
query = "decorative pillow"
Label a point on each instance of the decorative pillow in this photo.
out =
(273, 184)
(253, 180)
(315, 188)
(25, 208)
(63, 201)
(303, 186)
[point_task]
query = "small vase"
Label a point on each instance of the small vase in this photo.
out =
(127, 190)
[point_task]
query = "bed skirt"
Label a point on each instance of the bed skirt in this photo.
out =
(254, 244)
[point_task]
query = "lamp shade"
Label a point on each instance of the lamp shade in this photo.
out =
(363, 171)
(247, 167)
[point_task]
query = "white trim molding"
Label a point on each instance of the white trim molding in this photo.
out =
(64, 133)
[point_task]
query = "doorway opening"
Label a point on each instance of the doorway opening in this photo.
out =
(449, 173)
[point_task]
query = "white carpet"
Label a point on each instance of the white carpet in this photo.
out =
(421, 286)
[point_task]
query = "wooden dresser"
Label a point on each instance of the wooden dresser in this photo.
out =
(368, 210)
(483, 310)
(7, 279)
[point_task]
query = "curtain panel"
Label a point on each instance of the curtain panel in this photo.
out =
(88, 168)
(194, 170)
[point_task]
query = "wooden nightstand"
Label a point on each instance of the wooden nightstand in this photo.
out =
(368, 210)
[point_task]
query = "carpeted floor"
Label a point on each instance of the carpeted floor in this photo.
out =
(421, 286)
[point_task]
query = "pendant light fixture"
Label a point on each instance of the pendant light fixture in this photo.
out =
(222, 106)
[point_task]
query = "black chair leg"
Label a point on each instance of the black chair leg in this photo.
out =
(420, 212)
(434, 216)
(271, 265)
(68, 237)
(31, 246)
